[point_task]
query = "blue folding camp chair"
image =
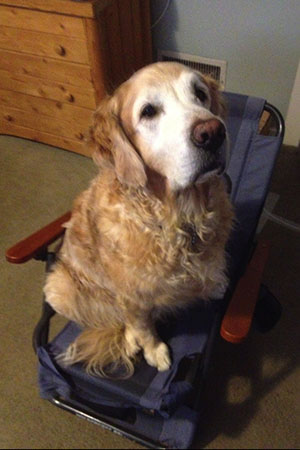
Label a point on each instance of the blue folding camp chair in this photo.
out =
(162, 409)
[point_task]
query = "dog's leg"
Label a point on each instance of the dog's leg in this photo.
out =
(141, 332)
(60, 292)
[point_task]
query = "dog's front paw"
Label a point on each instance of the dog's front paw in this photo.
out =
(158, 356)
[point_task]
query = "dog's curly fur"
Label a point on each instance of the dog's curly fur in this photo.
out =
(138, 243)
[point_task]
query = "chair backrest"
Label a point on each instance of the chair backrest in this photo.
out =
(250, 168)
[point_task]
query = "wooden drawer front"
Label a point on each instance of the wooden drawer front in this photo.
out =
(84, 8)
(47, 68)
(77, 146)
(61, 92)
(43, 44)
(78, 117)
(64, 127)
(41, 21)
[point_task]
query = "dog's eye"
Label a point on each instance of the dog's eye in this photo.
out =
(149, 111)
(200, 94)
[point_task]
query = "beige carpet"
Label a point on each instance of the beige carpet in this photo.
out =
(253, 389)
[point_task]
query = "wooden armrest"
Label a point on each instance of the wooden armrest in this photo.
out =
(33, 245)
(238, 317)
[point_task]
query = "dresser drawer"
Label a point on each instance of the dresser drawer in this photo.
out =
(27, 19)
(82, 8)
(44, 44)
(38, 87)
(76, 116)
(41, 67)
(74, 145)
(54, 125)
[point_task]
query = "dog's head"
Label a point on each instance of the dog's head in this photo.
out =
(166, 118)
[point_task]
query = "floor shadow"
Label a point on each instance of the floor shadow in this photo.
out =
(239, 379)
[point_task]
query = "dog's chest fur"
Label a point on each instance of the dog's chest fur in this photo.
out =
(129, 242)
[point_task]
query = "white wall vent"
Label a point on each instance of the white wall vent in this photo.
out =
(216, 68)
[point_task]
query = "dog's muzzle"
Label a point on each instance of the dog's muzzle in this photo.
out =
(209, 134)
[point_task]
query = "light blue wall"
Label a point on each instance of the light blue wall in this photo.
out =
(259, 39)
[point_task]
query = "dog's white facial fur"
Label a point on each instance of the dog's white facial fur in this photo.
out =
(166, 105)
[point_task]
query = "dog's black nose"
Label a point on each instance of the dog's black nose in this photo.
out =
(208, 134)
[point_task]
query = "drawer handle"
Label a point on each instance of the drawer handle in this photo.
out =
(70, 98)
(60, 50)
(8, 117)
(80, 136)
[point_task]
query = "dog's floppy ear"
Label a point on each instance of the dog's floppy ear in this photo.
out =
(110, 144)
(218, 106)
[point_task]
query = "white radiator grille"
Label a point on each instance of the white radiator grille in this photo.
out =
(213, 67)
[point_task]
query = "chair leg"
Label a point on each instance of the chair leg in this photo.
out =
(41, 331)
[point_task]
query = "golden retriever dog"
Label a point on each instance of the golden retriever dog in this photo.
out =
(148, 235)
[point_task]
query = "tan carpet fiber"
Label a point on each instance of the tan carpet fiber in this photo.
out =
(253, 389)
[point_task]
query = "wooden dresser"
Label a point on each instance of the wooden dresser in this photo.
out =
(58, 58)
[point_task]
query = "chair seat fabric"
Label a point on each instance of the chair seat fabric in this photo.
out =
(186, 336)
(172, 423)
